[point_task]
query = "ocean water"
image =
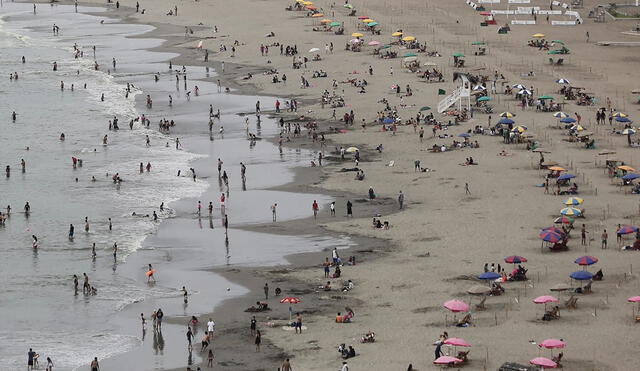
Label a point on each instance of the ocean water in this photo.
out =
(38, 307)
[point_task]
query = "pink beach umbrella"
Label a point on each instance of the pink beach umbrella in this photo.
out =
(543, 362)
(457, 342)
(553, 344)
(373, 43)
(545, 299)
(634, 299)
(447, 360)
(456, 306)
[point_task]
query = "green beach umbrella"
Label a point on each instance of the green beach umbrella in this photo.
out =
(348, 6)
(555, 52)
(410, 55)
(477, 43)
(371, 24)
(484, 99)
(545, 97)
(458, 55)
(425, 108)
(558, 42)
(334, 24)
(385, 46)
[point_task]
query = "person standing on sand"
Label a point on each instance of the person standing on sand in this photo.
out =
(266, 291)
(315, 208)
(332, 207)
(583, 234)
(258, 340)
(298, 323)
(349, 209)
(286, 365)
(401, 200)
(273, 211)
(252, 325)
(466, 189)
(345, 366)
(94, 364)
(605, 237)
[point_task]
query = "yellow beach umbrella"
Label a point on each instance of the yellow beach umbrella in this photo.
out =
(626, 168)
(557, 168)
(326, 21)
(351, 149)
(396, 34)
(506, 114)
(307, 3)
(538, 35)
(318, 15)
(357, 34)
(619, 114)
(408, 38)
(367, 20)
(573, 201)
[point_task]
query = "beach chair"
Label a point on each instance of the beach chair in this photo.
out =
(463, 356)
(480, 305)
(558, 358)
(571, 303)
(559, 62)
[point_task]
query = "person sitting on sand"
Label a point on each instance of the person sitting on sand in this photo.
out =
(326, 287)
(464, 321)
(369, 337)
(372, 193)
(337, 272)
(348, 287)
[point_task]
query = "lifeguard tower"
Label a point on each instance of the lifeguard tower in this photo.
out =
(462, 92)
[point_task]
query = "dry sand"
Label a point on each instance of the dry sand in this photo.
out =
(443, 236)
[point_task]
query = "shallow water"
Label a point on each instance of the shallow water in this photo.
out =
(37, 302)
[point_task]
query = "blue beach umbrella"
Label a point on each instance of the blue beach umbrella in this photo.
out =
(623, 119)
(581, 275)
(566, 176)
(489, 276)
(560, 115)
(388, 120)
(631, 176)
(568, 120)
(563, 81)
(464, 135)
(506, 121)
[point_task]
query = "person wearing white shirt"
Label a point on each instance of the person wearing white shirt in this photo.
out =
(345, 366)
(210, 326)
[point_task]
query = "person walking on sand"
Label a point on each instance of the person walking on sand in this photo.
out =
(315, 208)
(583, 235)
(266, 291)
(95, 366)
(298, 323)
(286, 365)
(210, 359)
(252, 325)
(466, 189)
(189, 337)
(401, 200)
(258, 340)
(605, 237)
(345, 366)
(332, 207)
(349, 208)
(273, 211)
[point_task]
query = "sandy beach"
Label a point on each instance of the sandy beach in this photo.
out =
(457, 219)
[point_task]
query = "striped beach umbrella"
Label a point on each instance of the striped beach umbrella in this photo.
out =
(570, 211)
(627, 229)
(586, 260)
(563, 220)
(551, 236)
(573, 201)
(562, 81)
(506, 114)
(560, 115)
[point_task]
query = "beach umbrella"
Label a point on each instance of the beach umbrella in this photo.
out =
(506, 114)
(623, 119)
(567, 120)
(545, 97)
(362, 17)
(373, 43)
(459, 55)
(634, 299)
(525, 92)
(348, 6)
(519, 129)
(351, 149)
(355, 41)
(631, 176)
(506, 121)
(538, 35)
(619, 114)
(425, 108)
(312, 8)
(554, 52)
(543, 362)
(430, 64)
(566, 176)
(570, 211)
(581, 275)
(334, 24)
(356, 34)
(558, 41)
(464, 135)
(291, 300)
(396, 34)
(628, 132)
(484, 99)
(372, 24)
(479, 87)
(408, 38)
(489, 276)
(551, 236)
(577, 128)
(586, 260)
(479, 290)
(515, 259)
(627, 229)
(552, 344)
(456, 306)
(480, 42)
(560, 115)
(456, 342)
(564, 220)
(410, 59)
(317, 15)
(409, 55)
(367, 20)
(554, 229)
(313, 50)
(562, 81)
(388, 120)
(326, 21)
(447, 360)
(545, 299)
(573, 201)
(518, 86)
(626, 168)
(385, 47)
